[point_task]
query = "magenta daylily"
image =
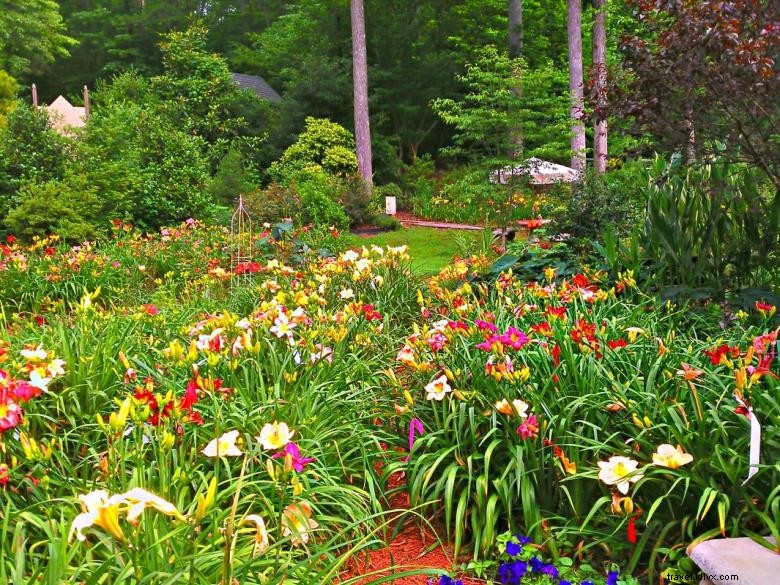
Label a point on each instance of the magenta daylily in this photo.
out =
(298, 462)
(514, 338)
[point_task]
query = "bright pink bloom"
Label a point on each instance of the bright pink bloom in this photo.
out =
(514, 338)
(529, 429)
(298, 462)
(10, 412)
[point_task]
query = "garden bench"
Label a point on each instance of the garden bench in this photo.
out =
(723, 558)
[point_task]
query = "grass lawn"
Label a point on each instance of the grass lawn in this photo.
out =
(430, 249)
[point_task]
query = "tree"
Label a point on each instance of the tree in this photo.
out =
(600, 77)
(515, 13)
(32, 36)
(360, 90)
(574, 29)
(710, 66)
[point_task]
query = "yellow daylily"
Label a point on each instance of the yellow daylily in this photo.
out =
(102, 510)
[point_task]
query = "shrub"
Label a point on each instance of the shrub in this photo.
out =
(598, 203)
(356, 198)
(318, 205)
(272, 204)
(29, 151)
(713, 226)
(324, 146)
(386, 222)
(231, 179)
(68, 208)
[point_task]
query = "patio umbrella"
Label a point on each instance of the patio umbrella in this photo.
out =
(541, 172)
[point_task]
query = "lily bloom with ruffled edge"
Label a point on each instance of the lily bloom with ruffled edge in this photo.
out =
(438, 389)
(275, 435)
(668, 456)
(103, 510)
(619, 471)
(224, 446)
(297, 522)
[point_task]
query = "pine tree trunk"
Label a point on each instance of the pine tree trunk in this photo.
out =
(515, 28)
(360, 88)
(574, 27)
(600, 69)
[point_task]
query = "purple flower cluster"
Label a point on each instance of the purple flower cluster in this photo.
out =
(511, 572)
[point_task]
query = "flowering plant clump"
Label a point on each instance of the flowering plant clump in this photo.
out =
(528, 391)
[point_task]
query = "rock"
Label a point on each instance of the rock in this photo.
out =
(724, 557)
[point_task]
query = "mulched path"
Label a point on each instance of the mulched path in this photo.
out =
(415, 547)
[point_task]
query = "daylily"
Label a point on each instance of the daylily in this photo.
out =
(438, 389)
(673, 458)
(689, 373)
(10, 412)
(100, 509)
(224, 446)
(634, 332)
(261, 536)
(39, 380)
(619, 471)
(529, 428)
(275, 435)
(282, 327)
(297, 522)
(765, 309)
(34, 355)
(292, 451)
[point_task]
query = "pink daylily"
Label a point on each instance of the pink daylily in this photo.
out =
(298, 462)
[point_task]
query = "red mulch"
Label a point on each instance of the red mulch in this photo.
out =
(415, 547)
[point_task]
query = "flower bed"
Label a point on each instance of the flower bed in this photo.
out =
(164, 418)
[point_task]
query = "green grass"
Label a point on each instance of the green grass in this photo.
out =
(430, 249)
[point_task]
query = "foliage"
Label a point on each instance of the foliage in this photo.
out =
(323, 146)
(599, 203)
(8, 89)
(709, 67)
(196, 92)
(32, 35)
(30, 151)
(356, 198)
(231, 179)
(488, 115)
(711, 226)
(318, 194)
(272, 204)
(67, 208)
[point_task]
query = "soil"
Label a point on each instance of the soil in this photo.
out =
(415, 547)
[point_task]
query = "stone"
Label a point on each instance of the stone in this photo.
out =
(723, 558)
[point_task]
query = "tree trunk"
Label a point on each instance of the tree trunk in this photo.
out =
(574, 27)
(600, 70)
(360, 88)
(515, 13)
(515, 28)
